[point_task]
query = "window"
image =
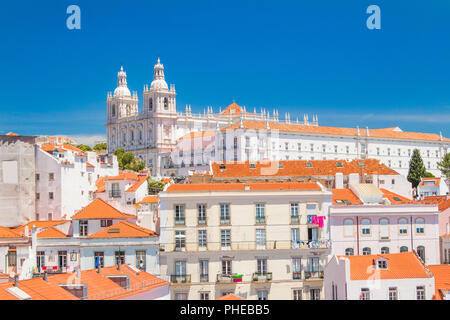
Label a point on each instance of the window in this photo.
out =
(311, 209)
(225, 238)
(347, 149)
(299, 146)
(51, 177)
(201, 209)
(180, 239)
(335, 149)
(261, 238)
(313, 234)
(179, 214)
(384, 228)
(262, 294)
(105, 223)
(366, 251)
(247, 142)
(224, 213)
(384, 250)
(314, 294)
(204, 270)
(389, 151)
(296, 268)
(295, 236)
(294, 212)
(37, 176)
(420, 225)
(12, 258)
(181, 296)
(62, 259)
(150, 104)
(312, 147)
(420, 291)
(349, 252)
(99, 257)
(261, 266)
(40, 259)
(382, 264)
(180, 269)
(226, 267)
(286, 145)
(421, 252)
(83, 228)
(393, 293)
(50, 216)
(365, 226)
(204, 295)
(119, 256)
(324, 148)
(378, 151)
(202, 238)
(348, 227)
(297, 294)
(166, 104)
(403, 249)
(403, 226)
(260, 213)
(365, 294)
(50, 195)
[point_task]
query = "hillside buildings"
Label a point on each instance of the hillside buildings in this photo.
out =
(174, 142)
(254, 240)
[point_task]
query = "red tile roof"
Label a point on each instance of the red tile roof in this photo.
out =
(234, 109)
(71, 147)
(37, 289)
(386, 133)
(435, 180)
(395, 198)
(99, 209)
(403, 265)
(345, 195)
(149, 199)
(39, 225)
(229, 297)
(11, 134)
(124, 176)
(242, 186)
(88, 165)
(299, 168)
(101, 185)
(51, 232)
(9, 233)
(136, 186)
(123, 229)
(441, 274)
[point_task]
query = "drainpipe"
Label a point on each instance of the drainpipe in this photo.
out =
(357, 235)
(411, 222)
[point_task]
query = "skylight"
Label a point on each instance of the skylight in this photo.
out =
(339, 164)
(309, 164)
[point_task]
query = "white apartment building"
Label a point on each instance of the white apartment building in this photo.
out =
(255, 240)
(175, 142)
(124, 190)
(367, 220)
(397, 276)
(429, 187)
(65, 179)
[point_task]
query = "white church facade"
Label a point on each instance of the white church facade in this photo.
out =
(176, 143)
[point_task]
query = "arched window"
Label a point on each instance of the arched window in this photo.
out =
(403, 226)
(113, 110)
(384, 228)
(366, 251)
(403, 249)
(140, 134)
(384, 250)
(421, 252)
(150, 104)
(348, 227)
(349, 251)
(132, 135)
(166, 104)
(128, 109)
(365, 226)
(420, 225)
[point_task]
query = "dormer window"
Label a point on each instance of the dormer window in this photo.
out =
(105, 223)
(339, 164)
(361, 164)
(222, 166)
(382, 264)
(252, 166)
(309, 164)
(280, 165)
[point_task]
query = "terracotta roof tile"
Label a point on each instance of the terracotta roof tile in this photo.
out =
(51, 232)
(234, 109)
(374, 133)
(39, 225)
(136, 186)
(299, 168)
(395, 198)
(229, 297)
(123, 229)
(9, 233)
(345, 197)
(37, 289)
(400, 266)
(242, 186)
(149, 199)
(99, 209)
(435, 180)
(441, 274)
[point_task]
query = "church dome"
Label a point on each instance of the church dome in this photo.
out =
(122, 92)
(159, 84)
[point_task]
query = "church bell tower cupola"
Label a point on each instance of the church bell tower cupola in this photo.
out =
(122, 103)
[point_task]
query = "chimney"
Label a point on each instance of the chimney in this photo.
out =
(16, 280)
(118, 264)
(45, 276)
(353, 178)
(99, 269)
(339, 180)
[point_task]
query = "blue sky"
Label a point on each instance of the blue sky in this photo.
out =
(315, 57)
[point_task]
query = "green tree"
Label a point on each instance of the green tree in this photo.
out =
(444, 165)
(100, 147)
(155, 187)
(416, 168)
(428, 175)
(84, 147)
(127, 161)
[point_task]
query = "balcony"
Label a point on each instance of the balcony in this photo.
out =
(180, 221)
(296, 275)
(224, 221)
(295, 219)
(114, 194)
(260, 220)
(312, 244)
(314, 275)
(225, 278)
(262, 277)
(204, 278)
(185, 278)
